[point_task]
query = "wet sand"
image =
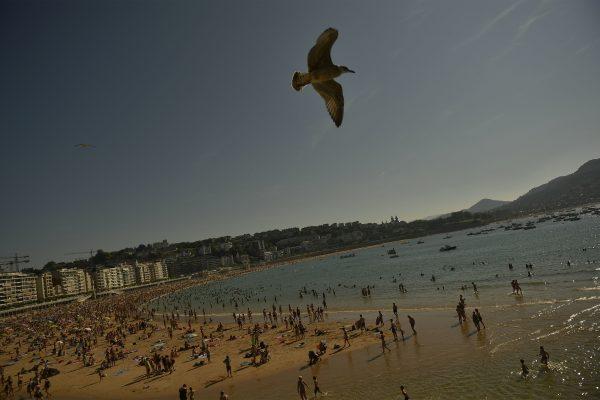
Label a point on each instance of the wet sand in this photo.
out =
(444, 360)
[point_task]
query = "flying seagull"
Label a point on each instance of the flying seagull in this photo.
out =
(321, 72)
(84, 146)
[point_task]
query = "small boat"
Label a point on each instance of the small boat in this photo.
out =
(447, 248)
(447, 237)
(391, 252)
(420, 242)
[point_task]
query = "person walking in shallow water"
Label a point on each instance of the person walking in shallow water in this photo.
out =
(394, 330)
(544, 356)
(301, 388)
(479, 318)
(476, 321)
(524, 369)
(317, 389)
(412, 324)
(383, 345)
(403, 392)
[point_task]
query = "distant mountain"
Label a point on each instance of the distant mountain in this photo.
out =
(482, 205)
(485, 205)
(578, 188)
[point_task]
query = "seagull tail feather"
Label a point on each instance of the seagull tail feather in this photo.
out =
(299, 80)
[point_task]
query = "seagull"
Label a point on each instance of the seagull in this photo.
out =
(84, 145)
(321, 74)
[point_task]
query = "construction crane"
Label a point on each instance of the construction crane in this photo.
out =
(90, 252)
(14, 261)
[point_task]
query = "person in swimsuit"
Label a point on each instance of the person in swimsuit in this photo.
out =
(524, 369)
(544, 356)
(227, 362)
(346, 338)
(317, 389)
(403, 392)
(476, 321)
(412, 324)
(301, 388)
(480, 318)
(394, 330)
(383, 345)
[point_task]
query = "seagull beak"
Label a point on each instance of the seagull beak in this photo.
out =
(351, 71)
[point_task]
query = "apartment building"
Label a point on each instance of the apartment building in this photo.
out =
(17, 288)
(45, 286)
(128, 274)
(108, 278)
(158, 271)
(72, 281)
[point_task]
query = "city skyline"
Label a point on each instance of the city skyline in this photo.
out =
(197, 132)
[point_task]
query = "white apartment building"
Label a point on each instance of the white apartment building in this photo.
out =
(158, 271)
(128, 274)
(45, 286)
(109, 278)
(17, 288)
(142, 273)
(73, 281)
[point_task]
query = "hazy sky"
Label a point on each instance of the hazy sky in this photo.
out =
(198, 132)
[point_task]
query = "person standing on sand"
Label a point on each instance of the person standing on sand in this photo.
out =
(227, 362)
(412, 324)
(183, 392)
(403, 392)
(191, 393)
(301, 388)
(395, 309)
(361, 322)
(346, 338)
(47, 388)
(524, 369)
(223, 396)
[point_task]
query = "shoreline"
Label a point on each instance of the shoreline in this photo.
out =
(276, 378)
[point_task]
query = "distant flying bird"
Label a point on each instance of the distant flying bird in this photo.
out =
(321, 72)
(84, 146)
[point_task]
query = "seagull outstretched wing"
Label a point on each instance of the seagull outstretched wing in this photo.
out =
(320, 55)
(332, 93)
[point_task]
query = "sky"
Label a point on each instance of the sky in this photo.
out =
(197, 132)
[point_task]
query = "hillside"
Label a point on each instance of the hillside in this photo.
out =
(485, 205)
(578, 188)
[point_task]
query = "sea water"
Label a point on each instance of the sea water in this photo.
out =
(559, 309)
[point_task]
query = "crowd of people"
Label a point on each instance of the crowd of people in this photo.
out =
(76, 330)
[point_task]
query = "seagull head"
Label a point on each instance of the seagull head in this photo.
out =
(345, 69)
